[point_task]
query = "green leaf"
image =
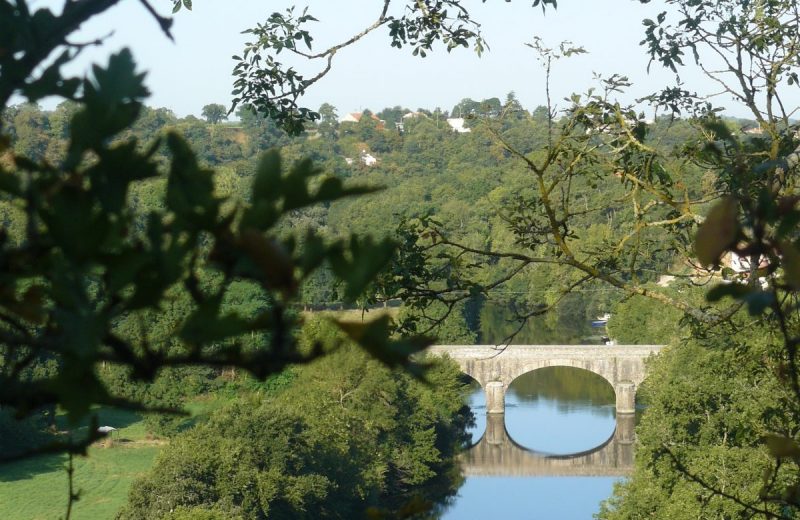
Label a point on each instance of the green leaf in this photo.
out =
(266, 185)
(718, 232)
(51, 83)
(190, 189)
(30, 307)
(78, 387)
(75, 224)
(374, 335)
(295, 185)
(118, 82)
(10, 183)
(791, 265)
(332, 189)
(734, 290)
(758, 302)
(314, 253)
(122, 269)
(782, 447)
(166, 265)
(718, 128)
(273, 262)
(205, 325)
(788, 223)
(364, 260)
(112, 174)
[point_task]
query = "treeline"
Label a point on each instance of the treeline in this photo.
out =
(464, 180)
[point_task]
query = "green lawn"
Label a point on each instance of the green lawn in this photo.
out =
(36, 488)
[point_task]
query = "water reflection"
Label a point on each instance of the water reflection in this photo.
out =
(513, 498)
(560, 410)
(555, 453)
(497, 454)
(554, 410)
(563, 328)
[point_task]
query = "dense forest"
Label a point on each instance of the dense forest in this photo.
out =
(463, 180)
(425, 168)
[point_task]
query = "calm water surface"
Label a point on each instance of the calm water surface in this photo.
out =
(556, 411)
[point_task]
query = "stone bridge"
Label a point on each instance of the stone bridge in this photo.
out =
(497, 455)
(495, 367)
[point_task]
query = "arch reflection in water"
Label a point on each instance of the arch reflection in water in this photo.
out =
(496, 454)
(560, 410)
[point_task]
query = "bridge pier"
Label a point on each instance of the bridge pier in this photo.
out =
(495, 397)
(626, 397)
(495, 430)
(625, 431)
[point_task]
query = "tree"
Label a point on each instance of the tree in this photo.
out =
(324, 447)
(664, 209)
(215, 113)
(512, 109)
(262, 132)
(64, 298)
(748, 209)
(710, 401)
(661, 209)
(31, 128)
(274, 88)
(392, 116)
(329, 120)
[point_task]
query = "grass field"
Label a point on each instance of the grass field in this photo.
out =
(36, 488)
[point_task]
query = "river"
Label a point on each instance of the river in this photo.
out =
(512, 473)
(525, 466)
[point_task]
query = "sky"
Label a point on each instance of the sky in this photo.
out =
(196, 69)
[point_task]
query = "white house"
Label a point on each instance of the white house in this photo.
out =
(353, 117)
(742, 264)
(368, 159)
(457, 124)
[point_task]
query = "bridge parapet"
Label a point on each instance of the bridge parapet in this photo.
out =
(495, 367)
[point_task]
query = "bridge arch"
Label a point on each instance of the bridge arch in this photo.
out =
(608, 378)
(495, 367)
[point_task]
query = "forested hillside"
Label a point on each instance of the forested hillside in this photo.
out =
(464, 180)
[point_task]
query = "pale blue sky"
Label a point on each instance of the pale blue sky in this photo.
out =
(196, 69)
